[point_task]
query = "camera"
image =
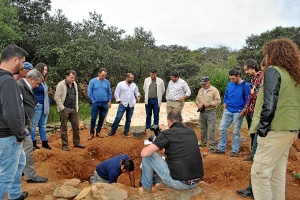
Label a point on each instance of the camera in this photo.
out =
(202, 109)
(155, 129)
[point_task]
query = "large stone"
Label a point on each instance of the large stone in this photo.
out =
(84, 193)
(72, 182)
(105, 191)
(66, 191)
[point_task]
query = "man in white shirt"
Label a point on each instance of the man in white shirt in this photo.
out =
(125, 95)
(154, 89)
(177, 91)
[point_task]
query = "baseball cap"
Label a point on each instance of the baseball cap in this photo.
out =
(28, 66)
(204, 80)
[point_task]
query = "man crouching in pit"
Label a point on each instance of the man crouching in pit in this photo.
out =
(182, 168)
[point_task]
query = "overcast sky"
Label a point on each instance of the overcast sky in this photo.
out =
(191, 23)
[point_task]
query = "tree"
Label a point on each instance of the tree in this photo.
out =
(9, 25)
(254, 43)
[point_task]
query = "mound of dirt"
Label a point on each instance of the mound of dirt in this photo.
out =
(223, 174)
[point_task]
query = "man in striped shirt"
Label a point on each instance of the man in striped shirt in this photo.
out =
(177, 91)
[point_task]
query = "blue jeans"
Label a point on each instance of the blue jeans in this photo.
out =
(12, 163)
(226, 120)
(152, 106)
(120, 113)
(101, 108)
(156, 163)
(39, 119)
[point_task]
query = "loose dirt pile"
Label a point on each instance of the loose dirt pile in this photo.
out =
(223, 174)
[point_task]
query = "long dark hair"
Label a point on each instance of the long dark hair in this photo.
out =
(40, 66)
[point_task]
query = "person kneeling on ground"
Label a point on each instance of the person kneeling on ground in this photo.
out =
(109, 170)
(183, 166)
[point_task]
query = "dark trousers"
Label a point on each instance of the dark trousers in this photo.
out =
(121, 110)
(249, 122)
(101, 109)
(71, 115)
(152, 106)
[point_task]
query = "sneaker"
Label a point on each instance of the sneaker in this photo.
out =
(212, 150)
(219, 152)
(126, 135)
(161, 186)
(143, 191)
(233, 154)
(248, 158)
(109, 134)
(247, 192)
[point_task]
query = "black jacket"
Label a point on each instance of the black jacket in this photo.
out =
(271, 93)
(28, 100)
(12, 114)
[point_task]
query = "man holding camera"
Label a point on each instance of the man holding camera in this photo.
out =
(183, 167)
(208, 99)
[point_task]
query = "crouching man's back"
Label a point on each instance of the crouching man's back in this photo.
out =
(183, 167)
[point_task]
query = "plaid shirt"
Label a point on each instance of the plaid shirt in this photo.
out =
(256, 83)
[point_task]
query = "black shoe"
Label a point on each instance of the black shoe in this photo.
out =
(45, 145)
(245, 193)
(219, 152)
(23, 196)
(126, 135)
(37, 179)
(233, 154)
(200, 144)
(81, 146)
(35, 146)
(65, 148)
(109, 134)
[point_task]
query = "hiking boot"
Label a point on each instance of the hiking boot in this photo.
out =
(65, 148)
(247, 192)
(219, 152)
(126, 135)
(45, 145)
(248, 158)
(35, 146)
(161, 186)
(109, 134)
(99, 135)
(233, 154)
(143, 191)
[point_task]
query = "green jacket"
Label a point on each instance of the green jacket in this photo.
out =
(285, 113)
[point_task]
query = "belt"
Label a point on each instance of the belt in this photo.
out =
(152, 98)
(173, 100)
(191, 182)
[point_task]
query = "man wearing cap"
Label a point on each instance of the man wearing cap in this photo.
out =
(154, 89)
(208, 99)
(177, 91)
(23, 72)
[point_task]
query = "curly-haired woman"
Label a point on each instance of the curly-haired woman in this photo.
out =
(278, 122)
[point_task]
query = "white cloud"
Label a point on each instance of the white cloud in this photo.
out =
(192, 23)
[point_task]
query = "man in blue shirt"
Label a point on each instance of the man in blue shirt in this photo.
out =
(235, 99)
(99, 93)
(109, 170)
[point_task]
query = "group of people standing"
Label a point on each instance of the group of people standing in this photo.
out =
(269, 102)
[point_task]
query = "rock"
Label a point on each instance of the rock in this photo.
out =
(105, 191)
(85, 192)
(72, 182)
(48, 197)
(66, 191)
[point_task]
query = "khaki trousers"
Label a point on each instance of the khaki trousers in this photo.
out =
(268, 172)
(174, 106)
